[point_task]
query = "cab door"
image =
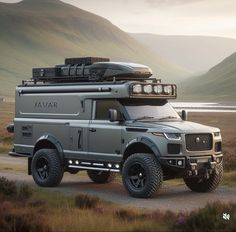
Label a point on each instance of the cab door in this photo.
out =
(104, 137)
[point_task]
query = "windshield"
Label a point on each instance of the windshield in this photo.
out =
(151, 110)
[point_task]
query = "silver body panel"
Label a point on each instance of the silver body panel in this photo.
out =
(66, 113)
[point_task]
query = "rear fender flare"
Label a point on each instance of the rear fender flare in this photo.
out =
(47, 138)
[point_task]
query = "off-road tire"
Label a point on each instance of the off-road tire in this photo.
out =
(54, 168)
(150, 170)
(206, 185)
(101, 177)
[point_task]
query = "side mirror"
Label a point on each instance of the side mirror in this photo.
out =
(113, 115)
(184, 115)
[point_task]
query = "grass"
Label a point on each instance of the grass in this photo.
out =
(209, 219)
(43, 210)
(61, 213)
(229, 179)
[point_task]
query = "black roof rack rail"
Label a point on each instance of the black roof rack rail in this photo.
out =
(111, 81)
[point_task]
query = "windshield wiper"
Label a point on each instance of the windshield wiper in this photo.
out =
(144, 117)
(168, 117)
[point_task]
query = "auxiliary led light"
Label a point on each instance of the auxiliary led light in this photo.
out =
(70, 162)
(147, 89)
(117, 166)
(77, 162)
(158, 89)
(109, 165)
(167, 89)
(137, 89)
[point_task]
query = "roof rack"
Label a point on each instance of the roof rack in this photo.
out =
(113, 80)
(91, 69)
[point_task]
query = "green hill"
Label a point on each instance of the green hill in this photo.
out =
(195, 53)
(38, 33)
(218, 84)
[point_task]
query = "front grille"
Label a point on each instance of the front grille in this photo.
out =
(198, 142)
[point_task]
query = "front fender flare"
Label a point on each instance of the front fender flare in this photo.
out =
(147, 142)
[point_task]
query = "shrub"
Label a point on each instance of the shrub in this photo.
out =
(229, 161)
(209, 219)
(37, 203)
(7, 188)
(22, 220)
(126, 215)
(24, 192)
(84, 201)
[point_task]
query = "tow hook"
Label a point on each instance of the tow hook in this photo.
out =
(213, 165)
(194, 170)
(207, 174)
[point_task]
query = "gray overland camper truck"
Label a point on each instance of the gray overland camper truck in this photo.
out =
(109, 117)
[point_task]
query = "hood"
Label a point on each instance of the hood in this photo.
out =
(174, 127)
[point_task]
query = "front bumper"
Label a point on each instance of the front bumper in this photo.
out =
(192, 164)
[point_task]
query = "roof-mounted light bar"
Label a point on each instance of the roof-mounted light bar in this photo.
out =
(153, 90)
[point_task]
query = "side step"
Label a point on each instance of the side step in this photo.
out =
(90, 165)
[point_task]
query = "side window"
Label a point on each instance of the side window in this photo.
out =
(103, 106)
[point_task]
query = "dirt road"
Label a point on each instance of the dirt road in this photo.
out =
(173, 198)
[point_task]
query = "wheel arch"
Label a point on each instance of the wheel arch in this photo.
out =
(141, 145)
(49, 141)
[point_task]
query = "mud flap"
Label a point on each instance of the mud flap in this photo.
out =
(29, 166)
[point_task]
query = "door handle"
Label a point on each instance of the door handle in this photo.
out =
(92, 130)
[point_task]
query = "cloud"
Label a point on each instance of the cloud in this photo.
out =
(155, 3)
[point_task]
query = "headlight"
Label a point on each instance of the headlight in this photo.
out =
(137, 89)
(158, 89)
(173, 136)
(168, 89)
(147, 89)
(217, 134)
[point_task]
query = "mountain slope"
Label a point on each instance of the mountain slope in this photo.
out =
(38, 33)
(219, 83)
(196, 53)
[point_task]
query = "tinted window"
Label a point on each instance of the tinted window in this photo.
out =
(150, 109)
(103, 106)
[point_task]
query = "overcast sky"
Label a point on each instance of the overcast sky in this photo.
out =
(170, 17)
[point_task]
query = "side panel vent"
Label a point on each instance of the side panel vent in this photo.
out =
(27, 131)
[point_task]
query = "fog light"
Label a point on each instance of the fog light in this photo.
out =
(180, 162)
(117, 166)
(109, 165)
(70, 162)
(77, 162)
